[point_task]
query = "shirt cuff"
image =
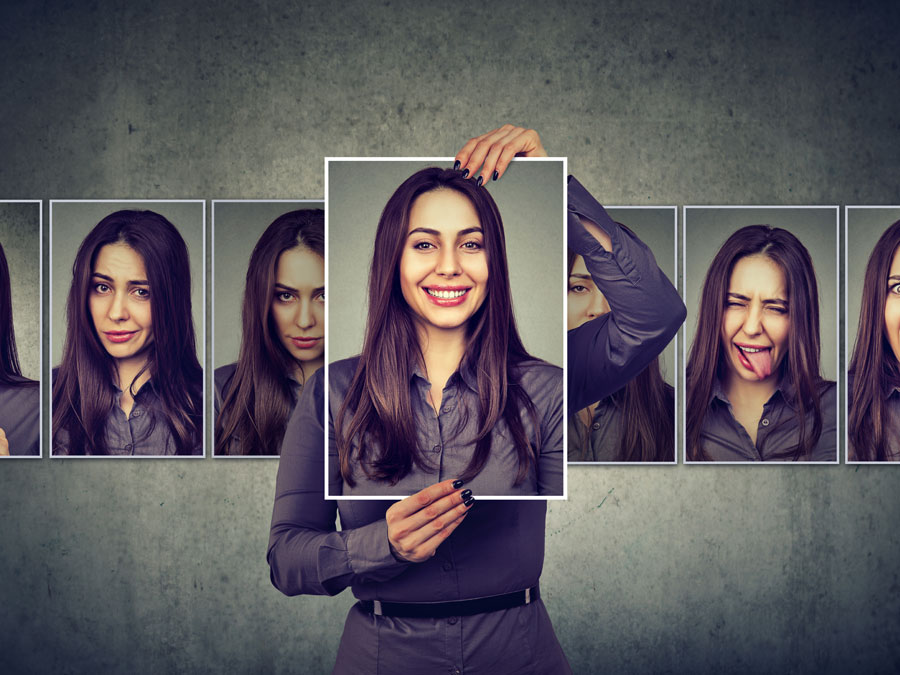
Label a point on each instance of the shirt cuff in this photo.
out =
(369, 553)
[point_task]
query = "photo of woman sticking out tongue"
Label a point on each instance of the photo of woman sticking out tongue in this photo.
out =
(754, 388)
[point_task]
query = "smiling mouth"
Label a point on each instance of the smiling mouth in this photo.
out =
(447, 297)
(119, 335)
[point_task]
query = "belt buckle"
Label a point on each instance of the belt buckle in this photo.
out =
(527, 596)
(376, 607)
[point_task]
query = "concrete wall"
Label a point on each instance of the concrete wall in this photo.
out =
(159, 566)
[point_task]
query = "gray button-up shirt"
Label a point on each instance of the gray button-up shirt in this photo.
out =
(891, 422)
(142, 432)
(20, 417)
(724, 439)
(449, 436)
(498, 548)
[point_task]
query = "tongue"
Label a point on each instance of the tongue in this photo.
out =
(761, 362)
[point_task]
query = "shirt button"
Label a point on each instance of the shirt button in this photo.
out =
(765, 421)
(455, 671)
(452, 621)
(436, 448)
(128, 447)
(446, 409)
(136, 413)
(595, 426)
(447, 566)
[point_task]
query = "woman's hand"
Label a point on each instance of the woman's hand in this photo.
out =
(420, 523)
(494, 151)
(4, 444)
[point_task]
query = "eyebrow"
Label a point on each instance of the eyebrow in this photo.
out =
(581, 276)
(436, 233)
(767, 301)
(133, 282)
(894, 277)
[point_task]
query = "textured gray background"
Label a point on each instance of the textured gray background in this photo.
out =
(706, 229)
(237, 226)
(20, 235)
(155, 566)
(531, 203)
(656, 228)
(70, 223)
(864, 229)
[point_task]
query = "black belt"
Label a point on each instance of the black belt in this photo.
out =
(442, 610)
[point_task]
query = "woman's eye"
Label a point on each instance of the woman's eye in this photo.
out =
(142, 293)
(779, 310)
(578, 288)
(320, 296)
(894, 288)
(423, 246)
(472, 245)
(284, 297)
(101, 288)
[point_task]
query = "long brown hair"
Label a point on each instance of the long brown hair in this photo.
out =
(874, 367)
(83, 390)
(377, 406)
(260, 395)
(10, 373)
(647, 403)
(800, 369)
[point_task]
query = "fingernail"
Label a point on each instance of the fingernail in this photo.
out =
(458, 483)
(465, 494)
(466, 173)
(469, 502)
(456, 165)
(479, 181)
(495, 176)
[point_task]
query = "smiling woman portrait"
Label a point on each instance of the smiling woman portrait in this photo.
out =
(129, 382)
(283, 326)
(754, 387)
(873, 378)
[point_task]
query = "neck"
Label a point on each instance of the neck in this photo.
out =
(302, 374)
(743, 393)
(127, 369)
(442, 350)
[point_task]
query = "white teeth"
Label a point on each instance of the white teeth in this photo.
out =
(752, 350)
(445, 295)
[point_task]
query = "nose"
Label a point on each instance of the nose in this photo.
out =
(118, 308)
(448, 262)
(305, 317)
(598, 306)
(753, 319)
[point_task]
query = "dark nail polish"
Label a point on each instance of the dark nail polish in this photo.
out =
(496, 175)
(458, 483)
(479, 181)
(466, 173)
(456, 165)
(465, 494)
(469, 502)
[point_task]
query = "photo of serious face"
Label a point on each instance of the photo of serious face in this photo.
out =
(298, 304)
(756, 321)
(444, 267)
(279, 305)
(120, 303)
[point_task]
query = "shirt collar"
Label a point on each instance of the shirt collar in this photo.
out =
(466, 372)
(784, 390)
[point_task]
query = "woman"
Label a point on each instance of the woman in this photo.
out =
(283, 339)
(442, 364)
(20, 428)
(129, 382)
(634, 424)
(754, 391)
(874, 373)
(444, 585)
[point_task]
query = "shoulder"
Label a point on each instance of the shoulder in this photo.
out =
(828, 396)
(536, 376)
(222, 376)
(340, 373)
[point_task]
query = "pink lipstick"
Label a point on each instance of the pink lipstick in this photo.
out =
(119, 335)
(305, 342)
(446, 296)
